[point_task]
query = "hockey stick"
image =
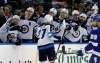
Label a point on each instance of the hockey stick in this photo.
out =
(60, 42)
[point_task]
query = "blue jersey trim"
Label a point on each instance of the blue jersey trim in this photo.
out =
(23, 42)
(46, 46)
(27, 41)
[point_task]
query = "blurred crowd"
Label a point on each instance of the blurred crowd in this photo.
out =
(78, 17)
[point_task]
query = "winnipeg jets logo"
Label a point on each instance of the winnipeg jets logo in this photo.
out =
(11, 36)
(24, 28)
(76, 34)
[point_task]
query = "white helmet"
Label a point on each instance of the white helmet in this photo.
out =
(83, 15)
(53, 10)
(48, 19)
(75, 12)
(95, 9)
(64, 10)
(30, 9)
(41, 21)
(16, 17)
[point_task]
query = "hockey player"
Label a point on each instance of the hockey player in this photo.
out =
(75, 15)
(51, 14)
(94, 11)
(94, 44)
(27, 27)
(60, 26)
(45, 42)
(76, 31)
(82, 20)
(28, 14)
(9, 31)
(60, 23)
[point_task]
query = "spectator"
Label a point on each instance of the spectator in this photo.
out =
(7, 13)
(39, 12)
(2, 2)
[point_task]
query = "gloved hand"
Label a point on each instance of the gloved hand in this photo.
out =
(8, 22)
(75, 28)
(80, 53)
(16, 28)
(68, 27)
(18, 42)
(89, 47)
(63, 49)
(59, 39)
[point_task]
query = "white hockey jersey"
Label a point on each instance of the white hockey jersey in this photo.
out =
(27, 29)
(6, 34)
(44, 35)
(61, 27)
(75, 36)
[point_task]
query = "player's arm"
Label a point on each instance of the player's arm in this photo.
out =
(89, 47)
(37, 32)
(4, 28)
(92, 42)
(34, 24)
(85, 36)
(55, 28)
(9, 23)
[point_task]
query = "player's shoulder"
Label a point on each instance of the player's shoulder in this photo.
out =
(47, 15)
(55, 23)
(23, 21)
(95, 30)
(45, 27)
(82, 29)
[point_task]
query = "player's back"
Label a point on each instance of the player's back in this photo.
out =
(44, 35)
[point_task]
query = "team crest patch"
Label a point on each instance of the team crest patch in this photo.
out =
(24, 28)
(76, 34)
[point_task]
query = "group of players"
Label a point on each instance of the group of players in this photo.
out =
(47, 29)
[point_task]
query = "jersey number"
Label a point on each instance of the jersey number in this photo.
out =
(44, 30)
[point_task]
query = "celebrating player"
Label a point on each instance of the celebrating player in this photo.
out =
(60, 23)
(45, 42)
(94, 43)
(9, 31)
(77, 32)
(27, 27)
